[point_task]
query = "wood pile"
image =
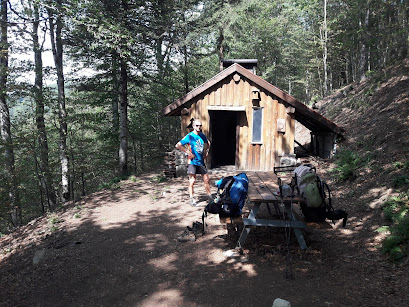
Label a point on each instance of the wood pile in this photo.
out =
(175, 164)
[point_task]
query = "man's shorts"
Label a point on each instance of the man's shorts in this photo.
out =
(196, 169)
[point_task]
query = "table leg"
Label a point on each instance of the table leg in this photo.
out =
(298, 234)
(246, 229)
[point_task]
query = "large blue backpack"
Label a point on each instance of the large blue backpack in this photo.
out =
(231, 197)
(234, 194)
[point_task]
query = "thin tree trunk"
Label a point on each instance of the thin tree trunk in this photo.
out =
(325, 49)
(220, 50)
(123, 120)
(9, 167)
(45, 174)
(40, 179)
(185, 70)
(115, 92)
(363, 52)
(57, 48)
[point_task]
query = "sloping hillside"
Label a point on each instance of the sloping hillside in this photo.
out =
(375, 115)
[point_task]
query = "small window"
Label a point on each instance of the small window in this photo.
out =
(257, 125)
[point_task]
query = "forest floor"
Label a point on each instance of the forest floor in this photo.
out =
(119, 247)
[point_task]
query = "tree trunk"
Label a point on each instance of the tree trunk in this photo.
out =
(220, 49)
(185, 69)
(363, 52)
(45, 174)
(325, 49)
(123, 119)
(9, 167)
(115, 92)
(57, 48)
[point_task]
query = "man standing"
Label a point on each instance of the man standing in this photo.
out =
(199, 148)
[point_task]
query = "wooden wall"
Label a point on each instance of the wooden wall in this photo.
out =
(231, 93)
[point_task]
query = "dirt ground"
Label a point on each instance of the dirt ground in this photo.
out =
(119, 247)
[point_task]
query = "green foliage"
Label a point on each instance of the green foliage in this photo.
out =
(112, 184)
(400, 165)
(347, 164)
(53, 221)
(396, 211)
(400, 181)
(160, 178)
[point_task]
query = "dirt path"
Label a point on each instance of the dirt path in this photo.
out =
(119, 248)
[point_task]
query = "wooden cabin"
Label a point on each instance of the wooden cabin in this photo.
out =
(250, 122)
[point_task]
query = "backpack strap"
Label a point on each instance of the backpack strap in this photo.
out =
(204, 215)
(225, 196)
(329, 204)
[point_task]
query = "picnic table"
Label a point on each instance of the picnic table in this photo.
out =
(263, 188)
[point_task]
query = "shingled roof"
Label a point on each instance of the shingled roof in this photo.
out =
(303, 114)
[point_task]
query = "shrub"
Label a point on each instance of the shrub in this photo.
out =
(347, 163)
(396, 211)
(400, 181)
(112, 184)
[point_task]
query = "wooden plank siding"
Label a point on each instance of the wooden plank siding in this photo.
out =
(230, 93)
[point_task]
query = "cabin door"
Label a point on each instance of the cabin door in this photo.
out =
(224, 137)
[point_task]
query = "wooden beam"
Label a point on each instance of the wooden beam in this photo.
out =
(226, 108)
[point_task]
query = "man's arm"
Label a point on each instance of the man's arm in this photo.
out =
(184, 149)
(206, 149)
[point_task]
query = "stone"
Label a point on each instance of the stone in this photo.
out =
(39, 256)
(279, 302)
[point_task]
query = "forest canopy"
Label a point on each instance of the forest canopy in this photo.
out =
(91, 117)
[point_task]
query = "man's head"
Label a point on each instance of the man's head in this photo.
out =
(197, 125)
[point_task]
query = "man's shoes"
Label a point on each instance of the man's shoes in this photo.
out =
(193, 202)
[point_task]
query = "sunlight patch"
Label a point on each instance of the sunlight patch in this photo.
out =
(165, 263)
(170, 297)
(381, 194)
(149, 242)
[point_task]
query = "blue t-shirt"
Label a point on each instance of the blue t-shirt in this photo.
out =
(196, 142)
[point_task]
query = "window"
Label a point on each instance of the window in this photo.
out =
(257, 134)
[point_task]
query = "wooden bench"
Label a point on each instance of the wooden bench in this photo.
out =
(231, 220)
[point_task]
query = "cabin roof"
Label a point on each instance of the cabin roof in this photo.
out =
(303, 114)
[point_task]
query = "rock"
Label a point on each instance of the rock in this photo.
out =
(279, 302)
(39, 256)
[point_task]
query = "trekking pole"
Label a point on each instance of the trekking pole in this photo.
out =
(289, 269)
(287, 230)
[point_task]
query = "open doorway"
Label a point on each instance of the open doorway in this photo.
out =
(223, 125)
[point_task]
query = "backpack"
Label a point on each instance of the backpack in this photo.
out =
(317, 195)
(231, 200)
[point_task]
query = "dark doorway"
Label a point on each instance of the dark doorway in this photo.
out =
(223, 130)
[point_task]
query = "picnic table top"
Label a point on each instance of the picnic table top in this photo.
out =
(263, 187)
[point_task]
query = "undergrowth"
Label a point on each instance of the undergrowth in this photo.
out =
(347, 164)
(112, 184)
(403, 179)
(396, 212)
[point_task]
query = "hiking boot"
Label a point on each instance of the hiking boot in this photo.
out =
(193, 202)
